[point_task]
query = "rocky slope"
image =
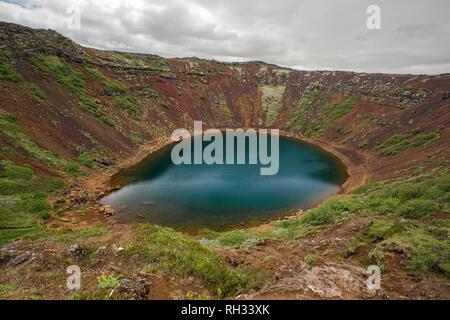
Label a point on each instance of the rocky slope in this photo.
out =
(70, 111)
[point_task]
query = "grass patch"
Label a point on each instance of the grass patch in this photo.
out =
(127, 103)
(111, 86)
(72, 80)
(75, 169)
(166, 250)
(11, 128)
(329, 115)
(417, 208)
(8, 72)
(402, 223)
(87, 158)
(315, 125)
(413, 139)
(36, 92)
(297, 119)
(81, 234)
(23, 199)
(432, 256)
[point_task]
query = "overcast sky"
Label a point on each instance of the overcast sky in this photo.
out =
(302, 34)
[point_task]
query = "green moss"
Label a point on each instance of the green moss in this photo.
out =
(75, 169)
(314, 116)
(310, 259)
(127, 103)
(168, 250)
(381, 229)
(79, 235)
(72, 80)
(110, 85)
(364, 144)
(329, 115)
(66, 76)
(432, 256)
(413, 139)
(10, 127)
(10, 171)
(298, 117)
(37, 92)
(233, 238)
(417, 208)
(8, 71)
(23, 201)
(87, 158)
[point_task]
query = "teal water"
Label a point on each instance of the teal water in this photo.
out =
(191, 197)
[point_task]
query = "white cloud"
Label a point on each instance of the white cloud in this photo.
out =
(314, 35)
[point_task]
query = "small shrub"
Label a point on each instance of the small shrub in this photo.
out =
(417, 208)
(310, 259)
(434, 256)
(107, 282)
(318, 216)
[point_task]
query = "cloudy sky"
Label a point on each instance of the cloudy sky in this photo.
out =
(302, 34)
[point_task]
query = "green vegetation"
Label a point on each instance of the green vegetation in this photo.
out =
(8, 71)
(11, 128)
(163, 249)
(329, 114)
(298, 118)
(123, 101)
(23, 201)
(110, 85)
(66, 76)
(314, 115)
(127, 103)
(87, 158)
(72, 80)
(37, 92)
(80, 235)
(398, 214)
(108, 282)
(404, 208)
(75, 169)
(310, 259)
(413, 139)
(432, 256)
(417, 208)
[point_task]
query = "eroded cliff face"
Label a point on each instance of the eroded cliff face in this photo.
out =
(79, 102)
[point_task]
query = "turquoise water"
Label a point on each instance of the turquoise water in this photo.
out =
(191, 197)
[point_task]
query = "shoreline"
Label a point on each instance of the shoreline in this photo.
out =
(354, 163)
